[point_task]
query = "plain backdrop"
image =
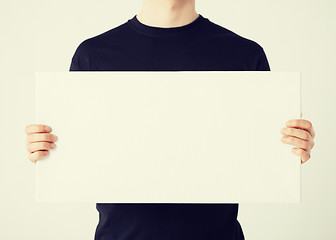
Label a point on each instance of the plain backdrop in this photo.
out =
(43, 35)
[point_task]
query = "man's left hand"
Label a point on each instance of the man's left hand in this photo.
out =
(300, 133)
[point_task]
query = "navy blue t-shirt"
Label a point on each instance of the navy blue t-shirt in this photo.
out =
(198, 46)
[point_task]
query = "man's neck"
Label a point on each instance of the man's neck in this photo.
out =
(167, 13)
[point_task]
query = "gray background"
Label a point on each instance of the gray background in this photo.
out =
(43, 35)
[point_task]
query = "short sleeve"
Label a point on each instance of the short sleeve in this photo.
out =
(262, 64)
(80, 59)
(74, 64)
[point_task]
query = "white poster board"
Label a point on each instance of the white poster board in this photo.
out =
(168, 137)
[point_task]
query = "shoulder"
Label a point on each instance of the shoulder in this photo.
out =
(230, 37)
(89, 47)
(236, 45)
(93, 42)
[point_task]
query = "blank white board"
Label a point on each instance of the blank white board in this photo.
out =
(168, 137)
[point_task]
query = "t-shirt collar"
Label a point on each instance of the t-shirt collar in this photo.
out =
(165, 32)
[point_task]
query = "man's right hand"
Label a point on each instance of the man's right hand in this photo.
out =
(39, 141)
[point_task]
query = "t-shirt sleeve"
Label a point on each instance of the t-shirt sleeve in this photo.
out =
(262, 64)
(74, 64)
(80, 59)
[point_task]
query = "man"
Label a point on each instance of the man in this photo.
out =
(168, 35)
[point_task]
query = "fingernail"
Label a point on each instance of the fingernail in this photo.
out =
(52, 145)
(47, 128)
(54, 138)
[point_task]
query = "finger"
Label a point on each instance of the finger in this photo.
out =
(37, 155)
(296, 142)
(311, 130)
(298, 133)
(303, 124)
(37, 146)
(40, 137)
(305, 156)
(37, 128)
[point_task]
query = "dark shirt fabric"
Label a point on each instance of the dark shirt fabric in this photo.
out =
(198, 46)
